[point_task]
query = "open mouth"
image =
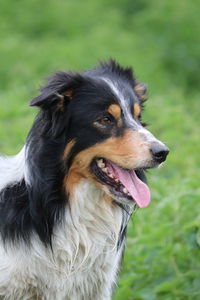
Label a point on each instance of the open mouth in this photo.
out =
(123, 184)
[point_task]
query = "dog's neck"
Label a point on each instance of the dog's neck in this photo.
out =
(93, 224)
(90, 209)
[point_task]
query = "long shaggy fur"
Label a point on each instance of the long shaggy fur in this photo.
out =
(62, 234)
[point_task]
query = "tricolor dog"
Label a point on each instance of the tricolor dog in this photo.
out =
(66, 198)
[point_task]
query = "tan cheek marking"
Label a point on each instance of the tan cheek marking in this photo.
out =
(136, 110)
(117, 149)
(125, 151)
(75, 173)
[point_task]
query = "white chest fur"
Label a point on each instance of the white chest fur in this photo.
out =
(84, 261)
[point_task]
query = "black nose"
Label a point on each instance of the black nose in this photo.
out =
(159, 152)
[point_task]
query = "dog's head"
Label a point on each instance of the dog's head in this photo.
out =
(99, 113)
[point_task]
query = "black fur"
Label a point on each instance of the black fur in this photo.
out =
(15, 222)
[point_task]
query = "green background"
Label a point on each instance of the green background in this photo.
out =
(160, 39)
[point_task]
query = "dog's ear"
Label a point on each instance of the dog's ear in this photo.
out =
(141, 90)
(58, 90)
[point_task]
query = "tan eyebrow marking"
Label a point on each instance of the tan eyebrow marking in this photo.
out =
(115, 110)
(136, 110)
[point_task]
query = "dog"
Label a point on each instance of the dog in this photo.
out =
(66, 198)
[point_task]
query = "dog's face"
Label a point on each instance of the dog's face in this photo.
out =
(106, 141)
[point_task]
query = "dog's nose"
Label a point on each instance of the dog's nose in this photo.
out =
(159, 152)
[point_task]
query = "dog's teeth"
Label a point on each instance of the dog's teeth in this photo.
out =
(125, 190)
(110, 175)
(100, 163)
(116, 180)
(105, 170)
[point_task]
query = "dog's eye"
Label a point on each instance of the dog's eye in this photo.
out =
(104, 120)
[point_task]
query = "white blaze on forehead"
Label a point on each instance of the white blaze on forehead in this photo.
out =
(149, 137)
(124, 104)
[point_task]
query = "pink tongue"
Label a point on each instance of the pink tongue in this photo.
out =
(138, 189)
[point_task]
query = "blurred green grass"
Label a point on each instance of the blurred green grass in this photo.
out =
(160, 40)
